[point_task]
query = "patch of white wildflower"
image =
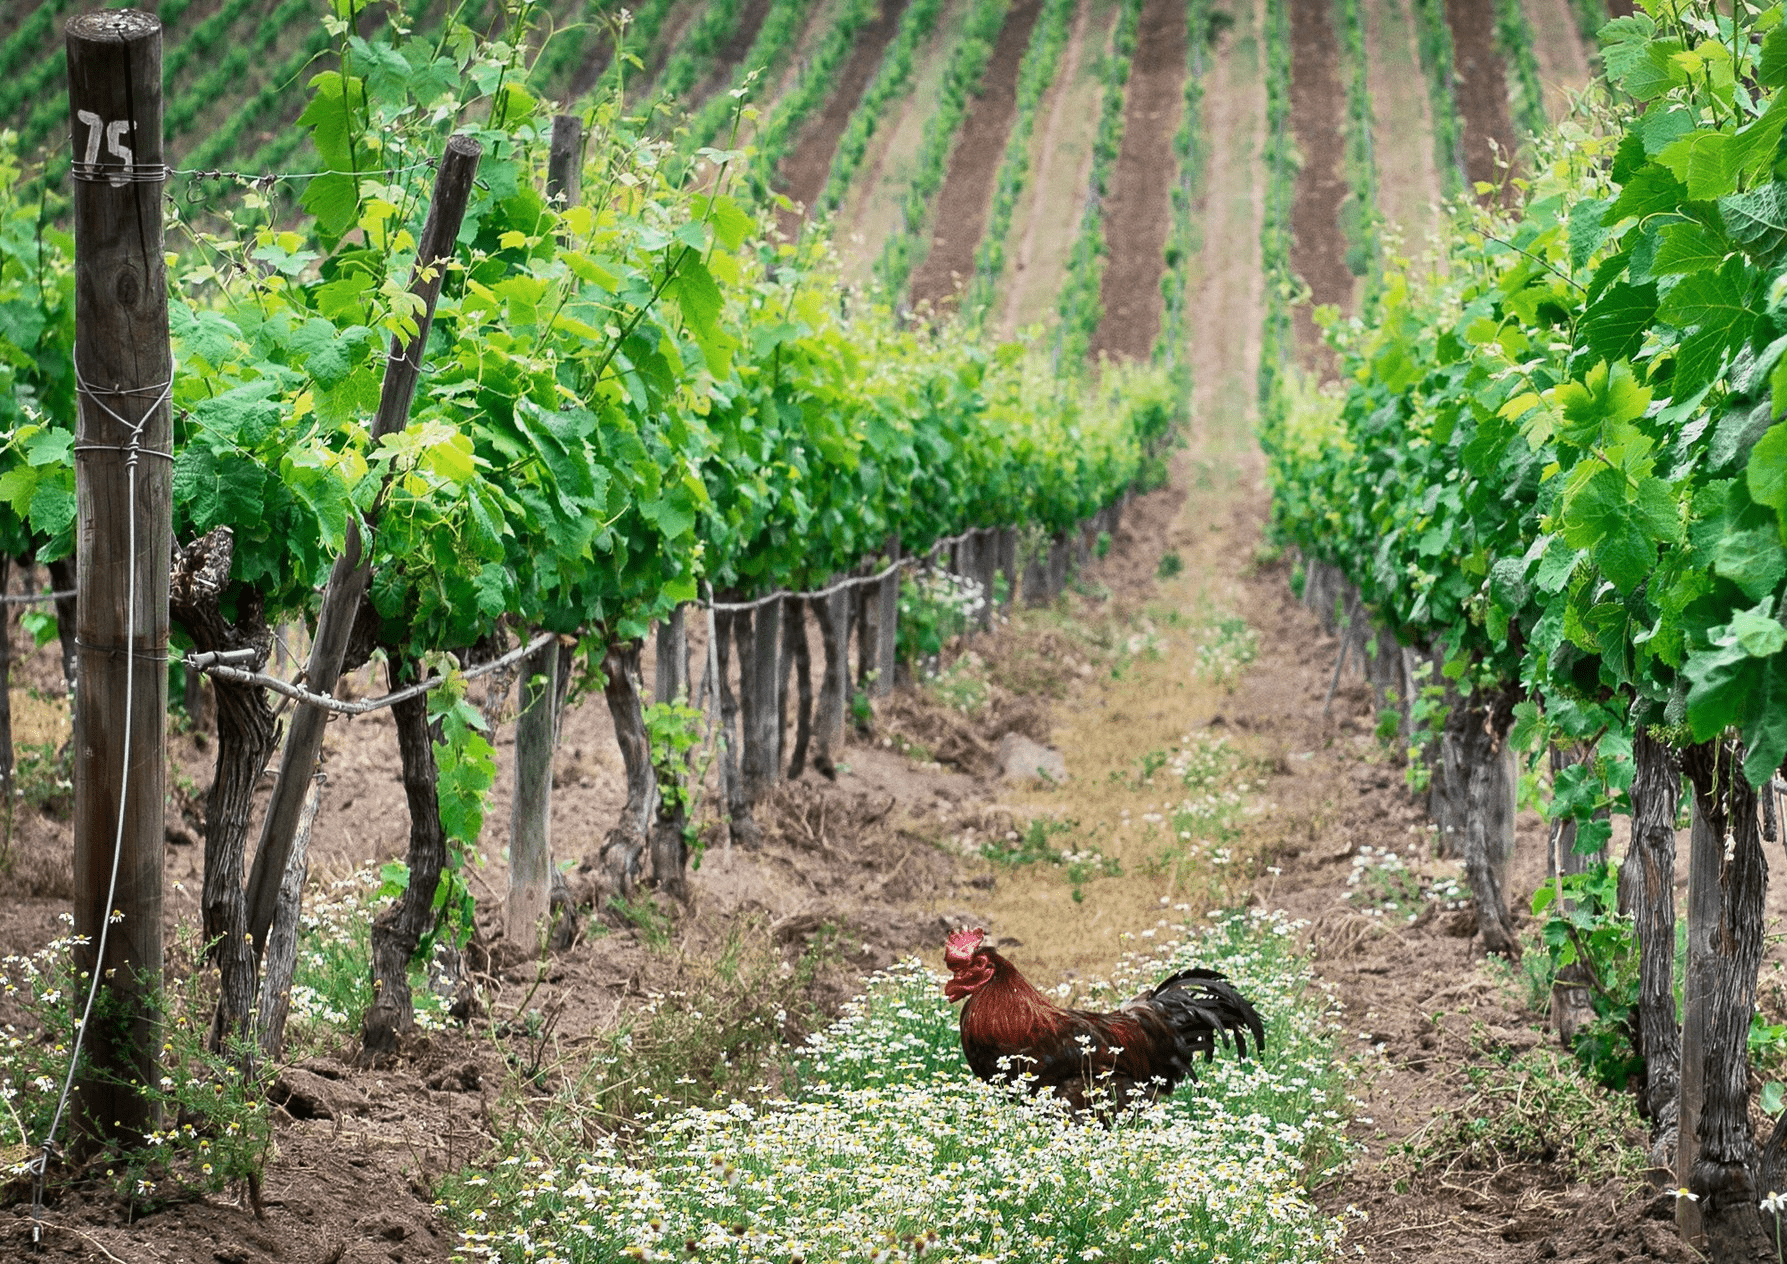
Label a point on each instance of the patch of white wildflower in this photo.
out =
(1225, 648)
(1386, 883)
(888, 1149)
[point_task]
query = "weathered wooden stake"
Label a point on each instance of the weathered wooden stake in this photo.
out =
(564, 163)
(671, 682)
(761, 758)
(833, 614)
(530, 817)
(1656, 799)
(1005, 560)
(351, 573)
(281, 957)
(886, 604)
(123, 532)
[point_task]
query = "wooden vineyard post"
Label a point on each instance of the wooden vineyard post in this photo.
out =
(887, 621)
(564, 167)
(1005, 560)
(281, 957)
(1704, 856)
(1036, 575)
(350, 574)
(530, 816)
(833, 615)
(981, 545)
(1656, 800)
(762, 755)
(123, 535)
(529, 900)
(672, 679)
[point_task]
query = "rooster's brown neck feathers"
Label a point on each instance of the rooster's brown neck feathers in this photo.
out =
(1008, 1008)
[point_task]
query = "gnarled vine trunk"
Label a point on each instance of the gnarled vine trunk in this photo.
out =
(738, 807)
(624, 847)
(1720, 1154)
(797, 657)
(398, 930)
(1656, 801)
(280, 958)
(833, 616)
(760, 678)
(246, 736)
(1490, 789)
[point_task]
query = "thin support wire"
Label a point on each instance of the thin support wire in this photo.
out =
(132, 449)
(218, 666)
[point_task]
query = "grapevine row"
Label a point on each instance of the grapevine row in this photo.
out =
(1190, 148)
(1514, 41)
(776, 135)
(625, 404)
(1556, 463)
(1434, 39)
(1079, 305)
(769, 53)
(1359, 215)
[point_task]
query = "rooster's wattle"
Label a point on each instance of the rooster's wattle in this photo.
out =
(1090, 1060)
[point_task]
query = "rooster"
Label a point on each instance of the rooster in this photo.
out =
(1097, 1061)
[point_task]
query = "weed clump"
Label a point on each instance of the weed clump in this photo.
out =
(1534, 1107)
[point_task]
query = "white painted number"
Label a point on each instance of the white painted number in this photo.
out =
(113, 134)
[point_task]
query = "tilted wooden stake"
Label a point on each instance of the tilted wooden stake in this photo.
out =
(348, 579)
(123, 470)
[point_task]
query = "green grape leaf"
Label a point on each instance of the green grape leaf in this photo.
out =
(1771, 72)
(1587, 229)
(215, 489)
(1753, 560)
(1613, 327)
(1699, 160)
(1688, 247)
(1766, 474)
(1757, 221)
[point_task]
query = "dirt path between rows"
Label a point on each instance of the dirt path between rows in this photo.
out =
(806, 169)
(964, 201)
(1138, 210)
(1481, 89)
(1228, 289)
(1563, 59)
(1044, 228)
(732, 52)
(1408, 183)
(1318, 107)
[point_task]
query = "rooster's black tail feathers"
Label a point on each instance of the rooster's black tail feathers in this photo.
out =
(1203, 1007)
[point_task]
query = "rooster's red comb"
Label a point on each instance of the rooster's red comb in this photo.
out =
(962, 945)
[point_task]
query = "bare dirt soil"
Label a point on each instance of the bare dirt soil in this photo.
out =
(1562, 55)
(806, 169)
(1408, 183)
(873, 211)
(964, 201)
(1481, 89)
(1138, 209)
(732, 52)
(1048, 217)
(1318, 108)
